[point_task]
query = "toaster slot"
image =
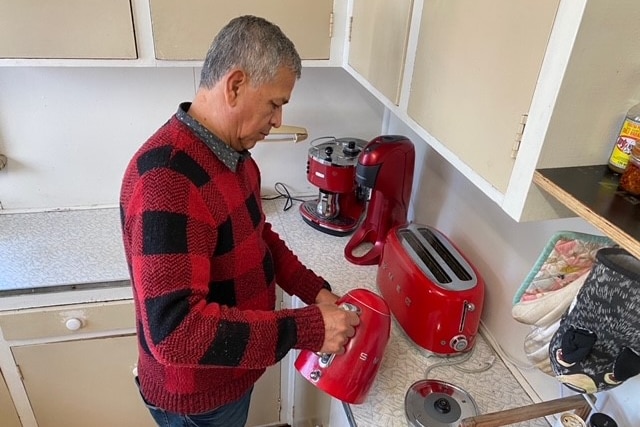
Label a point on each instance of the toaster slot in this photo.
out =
(424, 255)
(445, 254)
(437, 257)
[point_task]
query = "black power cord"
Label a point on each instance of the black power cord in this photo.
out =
(283, 192)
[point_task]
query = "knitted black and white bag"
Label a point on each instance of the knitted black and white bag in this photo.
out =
(597, 345)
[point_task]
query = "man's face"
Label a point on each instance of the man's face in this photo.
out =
(259, 109)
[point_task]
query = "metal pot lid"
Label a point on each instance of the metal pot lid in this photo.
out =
(338, 152)
(433, 403)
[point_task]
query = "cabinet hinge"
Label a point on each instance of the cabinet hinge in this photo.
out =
(279, 408)
(20, 372)
(350, 28)
(331, 25)
(518, 137)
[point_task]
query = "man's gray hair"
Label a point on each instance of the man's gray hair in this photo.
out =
(253, 44)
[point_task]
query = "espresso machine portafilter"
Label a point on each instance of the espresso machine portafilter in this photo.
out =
(384, 173)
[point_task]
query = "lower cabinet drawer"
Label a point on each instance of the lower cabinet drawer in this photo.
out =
(67, 320)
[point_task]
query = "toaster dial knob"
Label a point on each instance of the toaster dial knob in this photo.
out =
(459, 343)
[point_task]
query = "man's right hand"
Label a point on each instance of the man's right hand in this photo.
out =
(339, 326)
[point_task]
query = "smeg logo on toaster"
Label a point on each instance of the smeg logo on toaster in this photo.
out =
(385, 267)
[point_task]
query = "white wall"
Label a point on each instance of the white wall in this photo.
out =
(69, 132)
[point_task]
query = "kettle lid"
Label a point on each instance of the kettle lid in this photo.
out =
(434, 403)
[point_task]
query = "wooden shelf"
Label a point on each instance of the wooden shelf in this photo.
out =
(592, 193)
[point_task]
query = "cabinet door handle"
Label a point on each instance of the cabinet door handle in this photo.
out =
(73, 324)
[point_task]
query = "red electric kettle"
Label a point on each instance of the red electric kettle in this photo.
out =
(349, 376)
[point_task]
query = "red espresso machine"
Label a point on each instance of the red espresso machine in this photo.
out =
(384, 174)
(349, 376)
(331, 166)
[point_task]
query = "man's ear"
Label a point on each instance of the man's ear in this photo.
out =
(234, 85)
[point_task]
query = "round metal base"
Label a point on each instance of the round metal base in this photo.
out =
(338, 226)
(433, 403)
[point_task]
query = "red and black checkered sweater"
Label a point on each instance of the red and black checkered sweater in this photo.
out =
(203, 265)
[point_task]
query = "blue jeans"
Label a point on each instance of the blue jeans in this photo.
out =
(232, 414)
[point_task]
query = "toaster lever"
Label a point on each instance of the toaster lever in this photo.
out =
(466, 308)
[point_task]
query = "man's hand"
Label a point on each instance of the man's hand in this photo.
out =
(326, 297)
(339, 326)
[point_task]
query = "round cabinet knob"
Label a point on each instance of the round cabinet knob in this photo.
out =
(73, 324)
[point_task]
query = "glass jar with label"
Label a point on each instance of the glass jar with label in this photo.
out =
(630, 179)
(628, 136)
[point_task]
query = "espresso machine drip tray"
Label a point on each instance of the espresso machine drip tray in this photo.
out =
(433, 403)
(339, 225)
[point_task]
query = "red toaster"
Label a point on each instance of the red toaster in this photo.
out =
(433, 292)
(349, 376)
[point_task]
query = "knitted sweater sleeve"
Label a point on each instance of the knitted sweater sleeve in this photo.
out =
(168, 243)
(291, 274)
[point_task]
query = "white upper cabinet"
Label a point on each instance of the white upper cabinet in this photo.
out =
(67, 29)
(475, 72)
(378, 43)
(142, 33)
(183, 30)
(590, 76)
(501, 88)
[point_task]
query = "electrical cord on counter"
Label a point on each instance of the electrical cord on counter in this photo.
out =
(504, 355)
(283, 192)
(459, 360)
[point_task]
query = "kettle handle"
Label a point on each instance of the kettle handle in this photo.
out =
(347, 306)
(326, 358)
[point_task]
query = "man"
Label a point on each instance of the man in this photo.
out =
(203, 260)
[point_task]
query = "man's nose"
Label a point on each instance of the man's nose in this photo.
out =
(276, 118)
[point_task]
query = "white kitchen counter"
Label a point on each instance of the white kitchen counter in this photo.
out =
(51, 249)
(404, 363)
(76, 256)
(61, 257)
